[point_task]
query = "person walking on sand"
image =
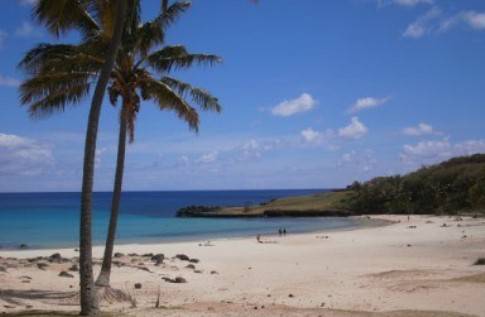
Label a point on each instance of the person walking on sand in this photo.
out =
(258, 238)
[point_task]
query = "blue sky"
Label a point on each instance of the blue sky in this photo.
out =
(315, 93)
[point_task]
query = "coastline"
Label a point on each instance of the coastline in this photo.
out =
(416, 265)
(360, 223)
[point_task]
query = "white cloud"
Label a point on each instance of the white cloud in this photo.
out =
(288, 108)
(9, 81)
(475, 19)
(432, 151)
(367, 103)
(310, 135)
(423, 25)
(355, 130)
(23, 156)
(420, 129)
(208, 157)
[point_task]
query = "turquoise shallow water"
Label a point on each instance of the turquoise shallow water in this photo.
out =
(43, 220)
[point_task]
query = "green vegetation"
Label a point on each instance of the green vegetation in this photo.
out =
(322, 204)
(457, 185)
(454, 186)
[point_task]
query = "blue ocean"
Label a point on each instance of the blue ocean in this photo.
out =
(46, 220)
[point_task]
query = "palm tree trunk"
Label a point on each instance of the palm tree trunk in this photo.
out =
(104, 276)
(89, 305)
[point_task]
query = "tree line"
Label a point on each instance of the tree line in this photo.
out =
(456, 185)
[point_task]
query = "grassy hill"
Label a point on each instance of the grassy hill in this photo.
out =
(453, 186)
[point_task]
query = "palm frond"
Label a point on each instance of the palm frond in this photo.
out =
(60, 16)
(199, 96)
(177, 57)
(60, 57)
(152, 33)
(50, 93)
(168, 99)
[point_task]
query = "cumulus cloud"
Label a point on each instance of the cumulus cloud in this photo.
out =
(367, 103)
(288, 108)
(423, 25)
(355, 130)
(310, 135)
(419, 130)
(473, 19)
(432, 151)
(23, 156)
(9, 81)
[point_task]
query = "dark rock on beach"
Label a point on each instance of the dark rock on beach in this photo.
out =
(176, 280)
(42, 266)
(65, 274)
(158, 258)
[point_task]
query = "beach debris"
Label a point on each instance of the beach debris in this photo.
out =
(444, 225)
(42, 266)
(479, 261)
(458, 218)
(198, 271)
(194, 260)
(158, 258)
(190, 266)
(74, 268)
(412, 227)
(429, 221)
(138, 285)
(291, 295)
(176, 280)
(132, 254)
(409, 245)
(66, 274)
(118, 255)
(214, 272)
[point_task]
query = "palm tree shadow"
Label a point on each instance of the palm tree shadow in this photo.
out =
(15, 297)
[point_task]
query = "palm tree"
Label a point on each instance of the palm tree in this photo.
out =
(59, 17)
(132, 82)
(62, 74)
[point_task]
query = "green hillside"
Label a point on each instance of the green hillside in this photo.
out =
(452, 186)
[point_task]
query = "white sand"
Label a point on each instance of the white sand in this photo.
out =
(369, 269)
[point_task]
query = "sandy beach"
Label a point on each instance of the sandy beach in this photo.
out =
(409, 268)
